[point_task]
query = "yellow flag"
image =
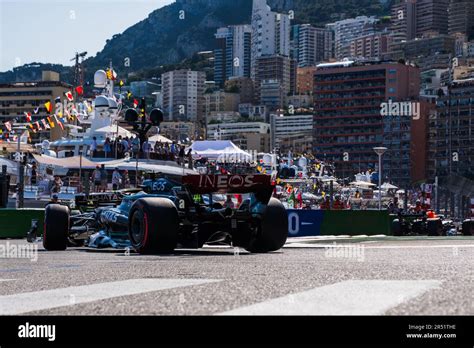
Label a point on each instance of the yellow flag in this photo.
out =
(48, 106)
(51, 123)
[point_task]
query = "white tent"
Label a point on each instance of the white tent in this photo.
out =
(12, 167)
(162, 167)
(362, 184)
(111, 131)
(220, 150)
(159, 138)
(388, 186)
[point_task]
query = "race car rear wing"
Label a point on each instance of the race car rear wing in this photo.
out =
(205, 184)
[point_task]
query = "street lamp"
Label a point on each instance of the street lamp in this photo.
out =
(380, 151)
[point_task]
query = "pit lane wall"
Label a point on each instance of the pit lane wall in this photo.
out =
(305, 223)
(15, 223)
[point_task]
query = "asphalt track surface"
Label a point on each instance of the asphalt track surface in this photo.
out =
(344, 276)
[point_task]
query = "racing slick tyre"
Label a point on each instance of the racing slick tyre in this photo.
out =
(434, 227)
(467, 227)
(153, 226)
(273, 229)
(397, 228)
(56, 227)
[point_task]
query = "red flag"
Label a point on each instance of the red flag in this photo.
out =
(135, 103)
(80, 90)
(69, 96)
(28, 116)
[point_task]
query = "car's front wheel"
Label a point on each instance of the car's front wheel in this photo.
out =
(56, 227)
(153, 226)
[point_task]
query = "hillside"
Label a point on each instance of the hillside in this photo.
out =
(177, 31)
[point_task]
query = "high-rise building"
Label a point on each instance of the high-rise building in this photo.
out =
(18, 98)
(431, 17)
(183, 95)
(416, 18)
(451, 130)
(243, 86)
(348, 120)
(314, 45)
(232, 55)
(270, 33)
(370, 46)
(221, 101)
(305, 80)
(294, 132)
(273, 80)
(461, 17)
(347, 30)
(246, 135)
(429, 46)
(403, 22)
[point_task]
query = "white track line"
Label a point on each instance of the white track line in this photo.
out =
(353, 297)
(6, 280)
(41, 300)
(333, 245)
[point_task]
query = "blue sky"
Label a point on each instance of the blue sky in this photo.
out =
(51, 31)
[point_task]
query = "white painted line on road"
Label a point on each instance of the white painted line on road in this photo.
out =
(47, 299)
(353, 297)
(6, 280)
(421, 246)
(334, 245)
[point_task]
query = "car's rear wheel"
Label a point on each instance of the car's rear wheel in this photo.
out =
(397, 228)
(467, 227)
(153, 226)
(56, 227)
(273, 230)
(434, 227)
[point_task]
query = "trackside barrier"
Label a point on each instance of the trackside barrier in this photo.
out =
(303, 223)
(15, 223)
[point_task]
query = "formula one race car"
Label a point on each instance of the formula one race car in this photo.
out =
(419, 224)
(165, 215)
